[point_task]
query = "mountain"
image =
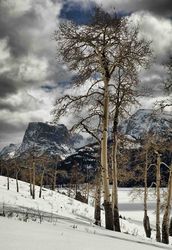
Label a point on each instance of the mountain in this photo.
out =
(55, 140)
(9, 151)
(146, 121)
(44, 138)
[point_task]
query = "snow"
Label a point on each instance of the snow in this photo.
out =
(63, 236)
(73, 228)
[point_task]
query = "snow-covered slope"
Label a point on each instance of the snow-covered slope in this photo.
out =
(147, 121)
(18, 235)
(73, 228)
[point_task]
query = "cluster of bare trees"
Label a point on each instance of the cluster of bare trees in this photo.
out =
(105, 56)
(36, 170)
(155, 148)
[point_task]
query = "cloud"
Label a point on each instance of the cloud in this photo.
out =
(159, 7)
(27, 62)
(31, 77)
(156, 29)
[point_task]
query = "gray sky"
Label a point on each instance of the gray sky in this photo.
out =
(30, 76)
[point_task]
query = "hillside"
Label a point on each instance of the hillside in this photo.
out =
(67, 223)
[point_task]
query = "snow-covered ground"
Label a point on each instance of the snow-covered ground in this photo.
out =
(73, 228)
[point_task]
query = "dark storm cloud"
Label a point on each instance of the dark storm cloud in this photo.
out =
(8, 127)
(11, 133)
(7, 86)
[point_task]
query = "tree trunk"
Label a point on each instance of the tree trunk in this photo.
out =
(115, 185)
(170, 228)
(166, 217)
(41, 183)
(8, 179)
(30, 175)
(97, 212)
(104, 161)
(146, 222)
(8, 182)
(17, 184)
(158, 178)
(54, 180)
(33, 192)
(69, 189)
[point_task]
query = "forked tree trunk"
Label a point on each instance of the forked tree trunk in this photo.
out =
(97, 212)
(104, 161)
(146, 222)
(158, 179)
(115, 184)
(166, 217)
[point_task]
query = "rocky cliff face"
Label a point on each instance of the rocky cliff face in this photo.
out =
(46, 138)
(43, 138)
(146, 121)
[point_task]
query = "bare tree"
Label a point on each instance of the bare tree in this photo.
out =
(95, 51)
(158, 182)
(146, 222)
(97, 211)
(125, 80)
(17, 171)
(167, 87)
(7, 166)
(166, 217)
(30, 180)
(42, 177)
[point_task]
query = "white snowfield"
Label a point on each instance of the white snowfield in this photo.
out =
(72, 228)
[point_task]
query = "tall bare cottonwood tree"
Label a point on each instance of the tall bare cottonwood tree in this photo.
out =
(94, 51)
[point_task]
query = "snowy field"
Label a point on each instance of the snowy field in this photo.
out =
(73, 225)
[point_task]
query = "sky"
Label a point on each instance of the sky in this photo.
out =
(31, 77)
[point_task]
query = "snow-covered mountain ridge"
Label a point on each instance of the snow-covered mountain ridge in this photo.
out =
(44, 138)
(146, 121)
